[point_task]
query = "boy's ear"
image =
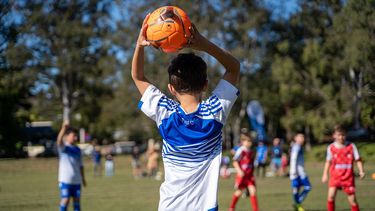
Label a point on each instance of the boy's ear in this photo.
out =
(205, 86)
(171, 89)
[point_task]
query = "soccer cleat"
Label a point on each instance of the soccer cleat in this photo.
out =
(298, 207)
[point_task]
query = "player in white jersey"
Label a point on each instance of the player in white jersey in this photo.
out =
(297, 172)
(71, 172)
(190, 128)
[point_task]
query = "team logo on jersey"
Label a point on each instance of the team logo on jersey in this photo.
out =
(343, 166)
(188, 122)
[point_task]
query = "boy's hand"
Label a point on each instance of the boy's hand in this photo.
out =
(141, 42)
(324, 178)
(196, 41)
(241, 173)
(64, 126)
(362, 175)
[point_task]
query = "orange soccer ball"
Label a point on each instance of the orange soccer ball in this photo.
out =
(168, 29)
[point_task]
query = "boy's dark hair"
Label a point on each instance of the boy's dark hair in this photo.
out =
(187, 73)
(71, 130)
(339, 129)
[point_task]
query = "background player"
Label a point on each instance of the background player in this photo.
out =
(243, 163)
(340, 157)
(261, 158)
(96, 158)
(297, 172)
(191, 128)
(71, 173)
(276, 154)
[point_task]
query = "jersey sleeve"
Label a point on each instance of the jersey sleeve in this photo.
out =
(293, 161)
(329, 153)
(355, 153)
(223, 98)
(154, 104)
(61, 148)
(237, 155)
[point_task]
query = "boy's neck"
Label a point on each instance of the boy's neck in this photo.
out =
(339, 143)
(189, 102)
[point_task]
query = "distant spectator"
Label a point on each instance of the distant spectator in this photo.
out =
(153, 160)
(276, 154)
(109, 165)
(284, 164)
(261, 159)
(96, 158)
(136, 164)
(224, 167)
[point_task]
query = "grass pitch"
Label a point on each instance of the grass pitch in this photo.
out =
(31, 184)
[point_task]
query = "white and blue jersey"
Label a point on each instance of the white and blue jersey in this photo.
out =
(191, 146)
(70, 163)
(298, 175)
(297, 163)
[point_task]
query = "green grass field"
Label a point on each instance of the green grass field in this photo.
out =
(31, 184)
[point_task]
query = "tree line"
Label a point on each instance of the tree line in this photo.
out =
(310, 68)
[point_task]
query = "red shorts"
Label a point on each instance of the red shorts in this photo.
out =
(347, 186)
(244, 182)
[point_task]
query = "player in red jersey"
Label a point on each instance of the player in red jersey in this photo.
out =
(243, 163)
(340, 158)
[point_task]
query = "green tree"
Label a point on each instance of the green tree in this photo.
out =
(16, 79)
(75, 57)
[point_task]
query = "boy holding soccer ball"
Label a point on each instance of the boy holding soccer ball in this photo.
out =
(71, 173)
(339, 162)
(190, 128)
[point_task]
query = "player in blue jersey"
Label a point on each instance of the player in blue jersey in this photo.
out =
(297, 172)
(191, 128)
(261, 158)
(71, 174)
(276, 154)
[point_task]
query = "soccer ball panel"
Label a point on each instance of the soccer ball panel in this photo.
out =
(170, 23)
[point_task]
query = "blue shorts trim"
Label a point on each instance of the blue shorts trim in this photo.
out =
(214, 209)
(298, 182)
(68, 190)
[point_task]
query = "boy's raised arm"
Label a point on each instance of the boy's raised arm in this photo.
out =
(138, 60)
(60, 136)
(231, 64)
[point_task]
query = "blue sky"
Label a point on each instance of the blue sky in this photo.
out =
(281, 8)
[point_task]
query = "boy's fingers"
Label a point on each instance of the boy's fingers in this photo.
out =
(194, 28)
(144, 29)
(192, 32)
(146, 19)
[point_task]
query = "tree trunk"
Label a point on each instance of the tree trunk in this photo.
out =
(307, 138)
(237, 124)
(357, 106)
(66, 101)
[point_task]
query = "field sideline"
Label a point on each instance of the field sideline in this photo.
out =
(31, 184)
